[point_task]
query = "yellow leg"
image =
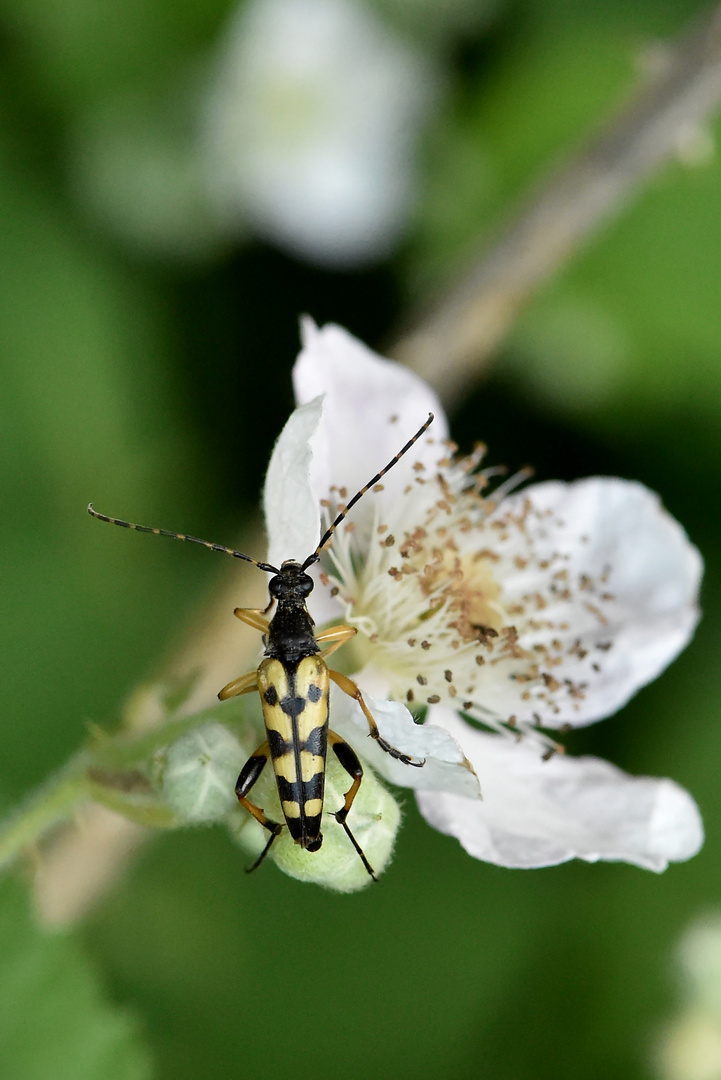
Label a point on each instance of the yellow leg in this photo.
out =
(249, 774)
(337, 634)
(349, 687)
(352, 766)
(253, 617)
(349, 760)
(244, 685)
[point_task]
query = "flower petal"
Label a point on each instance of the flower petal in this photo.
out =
(290, 502)
(624, 609)
(539, 813)
(446, 767)
(372, 407)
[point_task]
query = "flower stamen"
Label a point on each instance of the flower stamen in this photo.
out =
(459, 555)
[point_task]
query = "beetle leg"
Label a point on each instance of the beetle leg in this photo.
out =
(248, 776)
(349, 760)
(349, 687)
(337, 634)
(243, 685)
(254, 617)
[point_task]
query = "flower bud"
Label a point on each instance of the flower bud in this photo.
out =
(374, 820)
(199, 772)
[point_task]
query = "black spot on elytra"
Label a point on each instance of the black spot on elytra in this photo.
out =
(271, 696)
(313, 788)
(276, 742)
(292, 705)
(288, 791)
(314, 693)
(314, 837)
(316, 742)
(295, 828)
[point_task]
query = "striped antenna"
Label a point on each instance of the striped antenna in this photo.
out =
(371, 483)
(181, 536)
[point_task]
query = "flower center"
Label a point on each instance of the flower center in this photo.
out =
(292, 110)
(466, 585)
(429, 607)
(472, 602)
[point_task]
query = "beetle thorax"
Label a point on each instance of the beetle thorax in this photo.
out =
(290, 633)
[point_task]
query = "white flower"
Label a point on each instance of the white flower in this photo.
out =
(505, 615)
(311, 126)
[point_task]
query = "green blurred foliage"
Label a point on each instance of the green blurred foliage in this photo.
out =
(155, 386)
(76, 50)
(56, 1021)
(647, 296)
(636, 316)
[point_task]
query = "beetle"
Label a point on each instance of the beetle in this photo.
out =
(293, 682)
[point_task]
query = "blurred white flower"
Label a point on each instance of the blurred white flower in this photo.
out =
(311, 125)
(502, 614)
(699, 960)
(690, 1046)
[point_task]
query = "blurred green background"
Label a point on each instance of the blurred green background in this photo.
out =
(145, 351)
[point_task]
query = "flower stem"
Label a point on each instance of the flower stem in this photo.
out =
(127, 751)
(108, 771)
(54, 802)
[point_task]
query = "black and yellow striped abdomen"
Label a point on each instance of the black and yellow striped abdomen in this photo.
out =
(294, 697)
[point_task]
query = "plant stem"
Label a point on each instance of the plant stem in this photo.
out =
(52, 803)
(82, 780)
(127, 751)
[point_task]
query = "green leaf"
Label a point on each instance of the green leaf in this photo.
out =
(56, 1020)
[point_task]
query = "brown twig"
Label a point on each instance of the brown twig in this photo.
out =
(452, 342)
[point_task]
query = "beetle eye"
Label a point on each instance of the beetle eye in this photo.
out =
(305, 584)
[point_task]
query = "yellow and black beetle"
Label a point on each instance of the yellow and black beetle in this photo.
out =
(293, 682)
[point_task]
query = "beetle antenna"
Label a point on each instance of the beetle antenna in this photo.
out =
(181, 536)
(371, 483)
